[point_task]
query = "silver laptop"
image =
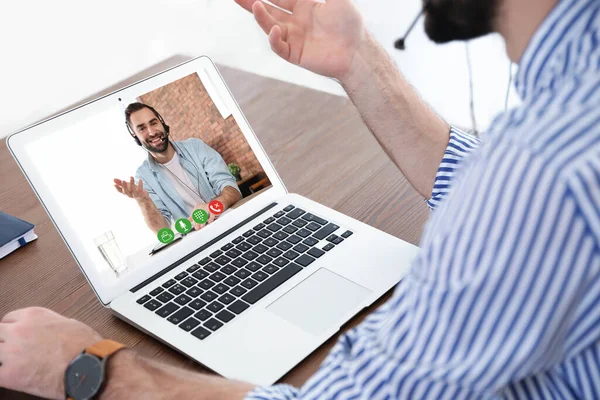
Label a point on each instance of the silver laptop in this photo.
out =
(249, 295)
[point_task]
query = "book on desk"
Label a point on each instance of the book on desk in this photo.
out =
(14, 233)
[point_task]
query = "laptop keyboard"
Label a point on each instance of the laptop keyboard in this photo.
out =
(216, 289)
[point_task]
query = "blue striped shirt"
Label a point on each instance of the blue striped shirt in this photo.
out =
(504, 298)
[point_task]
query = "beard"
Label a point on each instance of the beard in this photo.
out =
(157, 148)
(449, 20)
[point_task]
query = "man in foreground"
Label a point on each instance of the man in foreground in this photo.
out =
(503, 299)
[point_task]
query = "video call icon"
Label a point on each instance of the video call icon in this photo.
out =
(166, 235)
(200, 216)
(183, 225)
(216, 207)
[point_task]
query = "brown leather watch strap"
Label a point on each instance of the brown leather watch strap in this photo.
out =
(104, 348)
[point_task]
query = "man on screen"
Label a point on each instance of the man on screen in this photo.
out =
(178, 177)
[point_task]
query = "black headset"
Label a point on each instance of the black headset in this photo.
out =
(160, 118)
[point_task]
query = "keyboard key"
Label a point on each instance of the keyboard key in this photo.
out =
(220, 288)
(284, 246)
(270, 242)
(237, 240)
(201, 333)
(338, 240)
(289, 208)
(215, 306)
(165, 297)
(242, 273)
(197, 304)
(248, 233)
(300, 223)
(189, 281)
(277, 252)
(328, 246)
(280, 235)
(177, 289)
(309, 241)
(152, 305)
(204, 261)
(183, 299)
(269, 220)
(213, 324)
(203, 315)
(279, 214)
(304, 260)
(181, 275)
(313, 226)
(281, 262)
(264, 233)
(238, 307)
(169, 283)
(206, 284)
(233, 253)
(226, 298)
(189, 324)
(239, 262)
(249, 283)
(274, 227)
(156, 291)
(259, 227)
(217, 277)
(225, 316)
(193, 268)
(167, 310)
(300, 248)
(303, 233)
(180, 315)
(259, 248)
(313, 218)
(271, 269)
(253, 266)
(223, 260)
(211, 267)
(290, 255)
(227, 246)
(347, 234)
(264, 259)
(232, 280)
(260, 276)
(194, 292)
(272, 283)
(326, 231)
(228, 269)
(238, 291)
(250, 255)
(283, 221)
(200, 274)
(254, 240)
(290, 229)
(244, 246)
(297, 212)
(294, 239)
(209, 296)
(332, 238)
(143, 299)
(216, 253)
(316, 253)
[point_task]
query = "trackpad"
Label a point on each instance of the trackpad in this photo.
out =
(319, 301)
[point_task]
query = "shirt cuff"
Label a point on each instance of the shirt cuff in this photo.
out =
(275, 392)
(460, 145)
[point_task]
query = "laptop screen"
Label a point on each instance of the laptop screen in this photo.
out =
(149, 170)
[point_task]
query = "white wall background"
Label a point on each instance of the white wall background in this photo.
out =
(56, 53)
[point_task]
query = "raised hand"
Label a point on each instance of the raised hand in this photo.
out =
(130, 189)
(321, 37)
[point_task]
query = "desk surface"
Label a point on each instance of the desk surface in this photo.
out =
(319, 146)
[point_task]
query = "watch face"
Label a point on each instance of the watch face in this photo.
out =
(83, 377)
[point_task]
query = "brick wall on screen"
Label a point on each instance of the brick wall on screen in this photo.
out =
(189, 111)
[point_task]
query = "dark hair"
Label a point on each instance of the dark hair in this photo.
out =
(134, 107)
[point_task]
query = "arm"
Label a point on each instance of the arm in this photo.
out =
(154, 219)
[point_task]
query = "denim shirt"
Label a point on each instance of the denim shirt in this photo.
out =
(205, 168)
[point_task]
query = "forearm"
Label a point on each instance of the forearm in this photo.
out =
(409, 131)
(131, 376)
(154, 219)
(229, 196)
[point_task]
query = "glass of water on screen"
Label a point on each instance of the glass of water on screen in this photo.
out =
(110, 252)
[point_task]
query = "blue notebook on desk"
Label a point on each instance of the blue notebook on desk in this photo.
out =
(14, 233)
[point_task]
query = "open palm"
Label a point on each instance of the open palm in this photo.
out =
(321, 37)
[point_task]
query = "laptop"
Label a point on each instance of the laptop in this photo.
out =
(248, 295)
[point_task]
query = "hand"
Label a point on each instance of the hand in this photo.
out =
(211, 216)
(321, 37)
(131, 190)
(36, 346)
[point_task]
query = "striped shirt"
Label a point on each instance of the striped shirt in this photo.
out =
(504, 299)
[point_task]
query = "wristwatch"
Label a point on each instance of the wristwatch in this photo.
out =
(84, 377)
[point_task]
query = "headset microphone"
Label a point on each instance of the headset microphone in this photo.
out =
(400, 44)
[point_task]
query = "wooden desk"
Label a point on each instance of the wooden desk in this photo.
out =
(321, 150)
